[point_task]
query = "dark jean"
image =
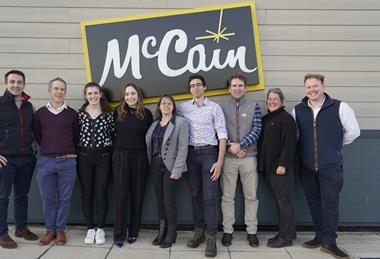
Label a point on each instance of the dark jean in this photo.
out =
(56, 178)
(282, 187)
(204, 191)
(166, 190)
(322, 189)
(17, 173)
(94, 172)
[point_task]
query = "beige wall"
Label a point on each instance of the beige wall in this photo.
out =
(339, 38)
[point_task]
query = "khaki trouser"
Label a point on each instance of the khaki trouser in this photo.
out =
(246, 168)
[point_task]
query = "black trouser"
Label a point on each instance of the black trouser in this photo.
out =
(282, 186)
(94, 171)
(129, 171)
(166, 190)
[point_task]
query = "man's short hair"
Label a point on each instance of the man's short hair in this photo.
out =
(237, 76)
(197, 76)
(14, 71)
(315, 76)
(57, 79)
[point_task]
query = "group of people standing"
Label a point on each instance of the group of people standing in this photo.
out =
(201, 137)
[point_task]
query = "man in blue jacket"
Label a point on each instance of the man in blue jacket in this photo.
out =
(16, 156)
(325, 125)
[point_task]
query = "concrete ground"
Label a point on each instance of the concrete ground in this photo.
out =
(356, 244)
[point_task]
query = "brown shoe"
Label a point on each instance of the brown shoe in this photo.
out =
(47, 238)
(26, 234)
(7, 242)
(335, 251)
(61, 238)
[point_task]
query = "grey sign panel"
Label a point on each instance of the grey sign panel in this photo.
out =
(159, 52)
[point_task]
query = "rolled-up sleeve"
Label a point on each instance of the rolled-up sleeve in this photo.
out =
(220, 122)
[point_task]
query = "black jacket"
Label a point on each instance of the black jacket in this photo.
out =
(278, 142)
(16, 135)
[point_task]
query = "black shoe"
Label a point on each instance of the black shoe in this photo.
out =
(226, 239)
(198, 238)
(279, 242)
(161, 234)
(335, 251)
(131, 240)
(314, 243)
(273, 238)
(169, 240)
(253, 240)
(119, 243)
(210, 250)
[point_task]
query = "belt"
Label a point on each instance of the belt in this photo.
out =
(67, 156)
(157, 155)
(201, 147)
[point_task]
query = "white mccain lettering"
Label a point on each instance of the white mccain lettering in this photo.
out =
(132, 56)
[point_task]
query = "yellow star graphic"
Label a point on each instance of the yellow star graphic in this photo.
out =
(219, 35)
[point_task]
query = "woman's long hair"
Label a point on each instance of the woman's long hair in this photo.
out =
(122, 109)
(103, 101)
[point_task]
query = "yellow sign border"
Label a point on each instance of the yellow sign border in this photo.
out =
(221, 91)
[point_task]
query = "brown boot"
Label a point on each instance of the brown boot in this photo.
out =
(7, 242)
(61, 238)
(47, 238)
(26, 234)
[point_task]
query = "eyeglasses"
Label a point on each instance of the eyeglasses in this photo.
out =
(197, 85)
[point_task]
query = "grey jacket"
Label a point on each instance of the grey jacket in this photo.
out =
(174, 146)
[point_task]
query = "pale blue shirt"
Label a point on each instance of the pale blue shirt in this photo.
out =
(207, 123)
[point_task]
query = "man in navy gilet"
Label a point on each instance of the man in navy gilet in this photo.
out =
(324, 125)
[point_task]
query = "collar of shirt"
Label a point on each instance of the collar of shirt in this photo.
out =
(317, 108)
(205, 102)
(54, 110)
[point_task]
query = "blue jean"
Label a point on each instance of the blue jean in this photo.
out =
(56, 178)
(322, 189)
(18, 172)
(204, 191)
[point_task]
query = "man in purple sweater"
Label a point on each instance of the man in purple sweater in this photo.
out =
(56, 131)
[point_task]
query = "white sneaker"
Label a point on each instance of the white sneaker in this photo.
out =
(100, 238)
(90, 238)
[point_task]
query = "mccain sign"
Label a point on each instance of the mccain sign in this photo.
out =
(159, 52)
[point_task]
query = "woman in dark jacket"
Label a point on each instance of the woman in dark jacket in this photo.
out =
(130, 162)
(167, 142)
(277, 156)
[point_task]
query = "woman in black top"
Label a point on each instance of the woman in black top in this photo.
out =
(277, 156)
(94, 160)
(130, 162)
